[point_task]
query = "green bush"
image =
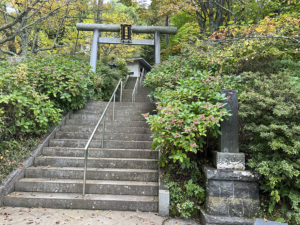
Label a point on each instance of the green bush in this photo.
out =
(110, 77)
(270, 110)
(189, 109)
(23, 108)
(36, 92)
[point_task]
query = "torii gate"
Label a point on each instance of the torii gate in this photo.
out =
(96, 28)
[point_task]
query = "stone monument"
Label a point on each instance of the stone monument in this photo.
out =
(232, 193)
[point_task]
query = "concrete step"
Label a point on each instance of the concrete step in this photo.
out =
(129, 99)
(108, 117)
(92, 173)
(108, 123)
(123, 108)
(80, 143)
(125, 163)
(128, 112)
(139, 92)
(136, 97)
(107, 136)
(101, 153)
(131, 82)
(108, 129)
(123, 104)
(76, 201)
(112, 187)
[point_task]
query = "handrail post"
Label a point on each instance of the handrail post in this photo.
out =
(103, 131)
(114, 107)
(85, 169)
(121, 92)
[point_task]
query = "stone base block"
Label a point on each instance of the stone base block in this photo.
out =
(225, 160)
(262, 222)
(225, 220)
(15, 59)
(164, 202)
(231, 193)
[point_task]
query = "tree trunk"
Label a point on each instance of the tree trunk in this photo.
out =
(167, 35)
(219, 15)
(24, 37)
(201, 22)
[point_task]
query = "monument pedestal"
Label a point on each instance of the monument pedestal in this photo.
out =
(227, 160)
(232, 194)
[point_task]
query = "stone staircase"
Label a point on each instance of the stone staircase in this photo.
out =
(141, 94)
(121, 176)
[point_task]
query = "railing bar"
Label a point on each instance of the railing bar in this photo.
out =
(85, 170)
(114, 107)
(135, 89)
(103, 132)
(93, 133)
(121, 91)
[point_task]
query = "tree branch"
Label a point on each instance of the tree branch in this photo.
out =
(37, 10)
(19, 28)
(223, 7)
(7, 14)
(50, 48)
(8, 52)
(19, 17)
(34, 40)
(258, 37)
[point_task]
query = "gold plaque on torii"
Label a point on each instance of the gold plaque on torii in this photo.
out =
(126, 33)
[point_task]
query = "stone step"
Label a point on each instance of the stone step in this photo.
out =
(76, 201)
(102, 153)
(92, 173)
(108, 123)
(107, 136)
(131, 82)
(131, 109)
(112, 187)
(124, 163)
(108, 129)
(129, 99)
(80, 143)
(137, 97)
(139, 92)
(117, 112)
(123, 104)
(108, 117)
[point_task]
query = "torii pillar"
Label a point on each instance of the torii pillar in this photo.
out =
(96, 28)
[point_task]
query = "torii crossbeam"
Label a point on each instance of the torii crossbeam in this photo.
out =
(96, 28)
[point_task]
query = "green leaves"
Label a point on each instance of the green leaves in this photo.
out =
(270, 111)
(189, 108)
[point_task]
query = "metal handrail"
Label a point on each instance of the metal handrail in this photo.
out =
(86, 148)
(135, 89)
(142, 76)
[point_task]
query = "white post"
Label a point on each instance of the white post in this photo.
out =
(94, 50)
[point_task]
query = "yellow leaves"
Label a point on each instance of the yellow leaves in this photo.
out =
(258, 29)
(1, 157)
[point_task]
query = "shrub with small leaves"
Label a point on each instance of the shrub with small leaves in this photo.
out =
(270, 110)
